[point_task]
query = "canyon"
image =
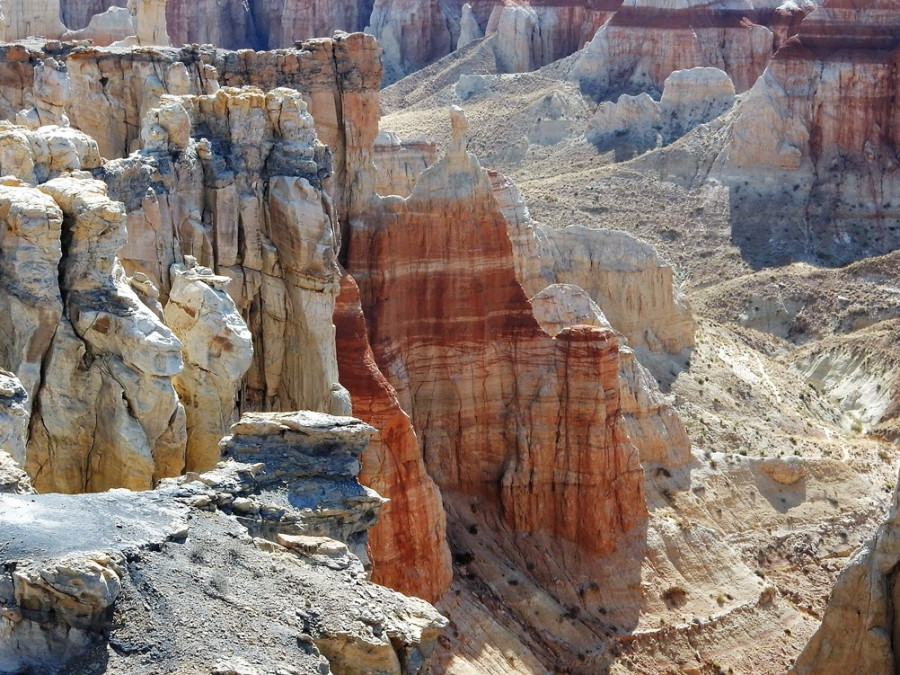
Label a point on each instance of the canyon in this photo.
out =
(576, 320)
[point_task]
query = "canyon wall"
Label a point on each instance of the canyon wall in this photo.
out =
(252, 192)
(860, 625)
(817, 137)
(647, 40)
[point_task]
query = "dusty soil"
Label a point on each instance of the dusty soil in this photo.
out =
(793, 362)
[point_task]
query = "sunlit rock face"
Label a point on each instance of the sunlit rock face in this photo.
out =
(816, 141)
(504, 411)
(647, 40)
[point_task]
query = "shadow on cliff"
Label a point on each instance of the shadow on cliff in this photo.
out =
(787, 219)
(565, 606)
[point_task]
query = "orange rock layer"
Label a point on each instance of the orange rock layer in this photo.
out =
(529, 423)
(409, 543)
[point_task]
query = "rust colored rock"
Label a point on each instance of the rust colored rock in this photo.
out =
(408, 546)
(506, 413)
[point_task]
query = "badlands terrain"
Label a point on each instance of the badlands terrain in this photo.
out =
(406, 336)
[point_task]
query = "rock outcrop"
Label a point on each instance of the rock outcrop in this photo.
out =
(689, 98)
(106, 414)
(255, 176)
(624, 276)
(13, 425)
(193, 567)
(398, 163)
(652, 423)
(820, 125)
(504, 411)
(409, 543)
(861, 621)
(647, 40)
(24, 18)
(529, 35)
(217, 349)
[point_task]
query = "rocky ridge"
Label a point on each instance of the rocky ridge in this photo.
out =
(136, 579)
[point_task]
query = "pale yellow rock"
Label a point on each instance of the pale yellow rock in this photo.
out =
(149, 18)
(217, 349)
(398, 163)
(787, 470)
(312, 545)
(469, 30)
(25, 18)
(105, 28)
(109, 415)
(860, 625)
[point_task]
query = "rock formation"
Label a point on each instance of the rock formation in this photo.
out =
(409, 543)
(689, 98)
(652, 423)
(529, 35)
(821, 122)
(193, 567)
(23, 18)
(113, 25)
(399, 163)
(860, 622)
(106, 414)
(13, 425)
(647, 40)
(533, 34)
(217, 349)
(269, 227)
(624, 276)
(491, 396)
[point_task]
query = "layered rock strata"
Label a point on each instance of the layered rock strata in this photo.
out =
(245, 197)
(821, 128)
(529, 35)
(624, 276)
(184, 572)
(409, 543)
(486, 412)
(399, 162)
(647, 40)
(138, 22)
(650, 420)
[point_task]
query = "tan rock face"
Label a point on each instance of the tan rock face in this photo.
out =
(624, 276)
(647, 40)
(107, 415)
(823, 121)
(860, 623)
(270, 228)
(398, 163)
(217, 349)
(13, 426)
(629, 282)
(532, 34)
(22, 18)
(504, 411)
(409, 543)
